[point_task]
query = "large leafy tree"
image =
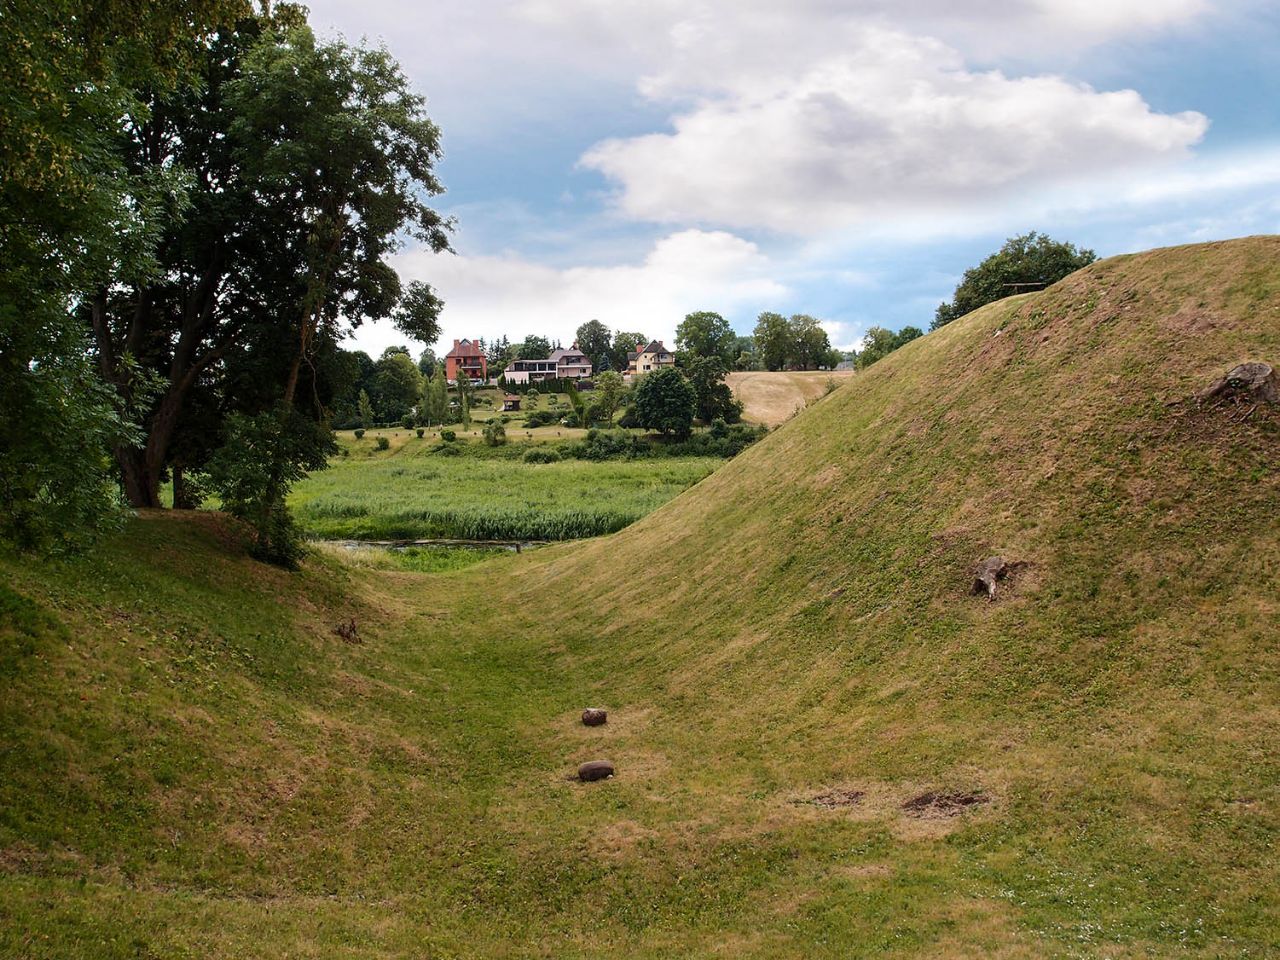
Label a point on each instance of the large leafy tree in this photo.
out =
(624, 342)
(880, 342)
(399, 385)
(72, 215)
(306, 162)
(773, 340)
(593, 340)
(712, 396)
(665, 401)
(810, 346)
(534, 348)
(706, 334)
(1032, 260)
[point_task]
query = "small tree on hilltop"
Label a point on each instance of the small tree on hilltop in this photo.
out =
(1030, 259)
(610, 390)
(366, 410)
(665, 402)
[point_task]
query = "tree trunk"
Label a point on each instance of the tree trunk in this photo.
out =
(138, 488)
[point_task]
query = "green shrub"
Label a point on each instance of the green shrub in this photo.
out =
(420, 432)
(495, 435)
(383, 443)
(254, 470)
(609, 445)
(448, 436)
(449, 450)
(541, 418)
(360, 433)
(541, 455)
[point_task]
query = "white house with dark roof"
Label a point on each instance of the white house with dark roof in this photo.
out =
(570, 364)
(646, 359)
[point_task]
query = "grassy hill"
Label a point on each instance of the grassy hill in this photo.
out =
(826, 746)
(770, 397)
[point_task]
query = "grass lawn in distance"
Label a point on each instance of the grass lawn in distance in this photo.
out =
(412, 491)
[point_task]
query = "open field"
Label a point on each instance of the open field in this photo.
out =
(412, 491)
(826, 746)
(771, 397)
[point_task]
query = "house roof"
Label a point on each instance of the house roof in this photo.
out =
(655, 347)
(464, 348)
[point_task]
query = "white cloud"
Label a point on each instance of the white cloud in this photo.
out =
(896, 125)
(489, 296)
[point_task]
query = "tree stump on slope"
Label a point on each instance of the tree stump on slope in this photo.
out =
(989, 572)
(1249, 381)
(594, 717)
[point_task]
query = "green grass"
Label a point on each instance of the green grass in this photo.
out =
(422, 559)
(193, 765)
(413, 492)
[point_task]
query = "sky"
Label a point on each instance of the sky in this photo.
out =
(632, 161)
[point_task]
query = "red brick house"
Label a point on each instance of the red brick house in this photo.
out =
(469, 358)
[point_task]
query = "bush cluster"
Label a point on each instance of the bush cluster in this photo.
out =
(541, 455)
(722, 440)
(541, 418)
(495, 435)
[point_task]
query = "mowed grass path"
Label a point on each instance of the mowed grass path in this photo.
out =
(413, 492)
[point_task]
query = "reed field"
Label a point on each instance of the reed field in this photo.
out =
(414, 492)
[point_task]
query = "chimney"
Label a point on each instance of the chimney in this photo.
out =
(455, 344)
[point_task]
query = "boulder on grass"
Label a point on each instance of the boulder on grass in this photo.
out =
(594, 716)
(595, 770)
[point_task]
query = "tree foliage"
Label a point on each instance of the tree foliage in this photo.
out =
(73, 214)
(610, 390)
(399, 385)
(593, 340)
(665, 401)
(624, 342)
(796, 343)
(1032, 258)
(880, 342)
(534, 348)
(713, 398)
(253, 471)
(436, 400)
(706, 334)
(308, 162)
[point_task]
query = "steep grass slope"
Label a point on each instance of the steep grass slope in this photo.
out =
(192, 764)
(806, 610)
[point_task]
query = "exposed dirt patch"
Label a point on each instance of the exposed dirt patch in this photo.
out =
(1192, 320)
(933, 804)
(834, 799)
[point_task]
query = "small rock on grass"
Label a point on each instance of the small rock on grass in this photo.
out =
(594, 716)
(595, 770)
